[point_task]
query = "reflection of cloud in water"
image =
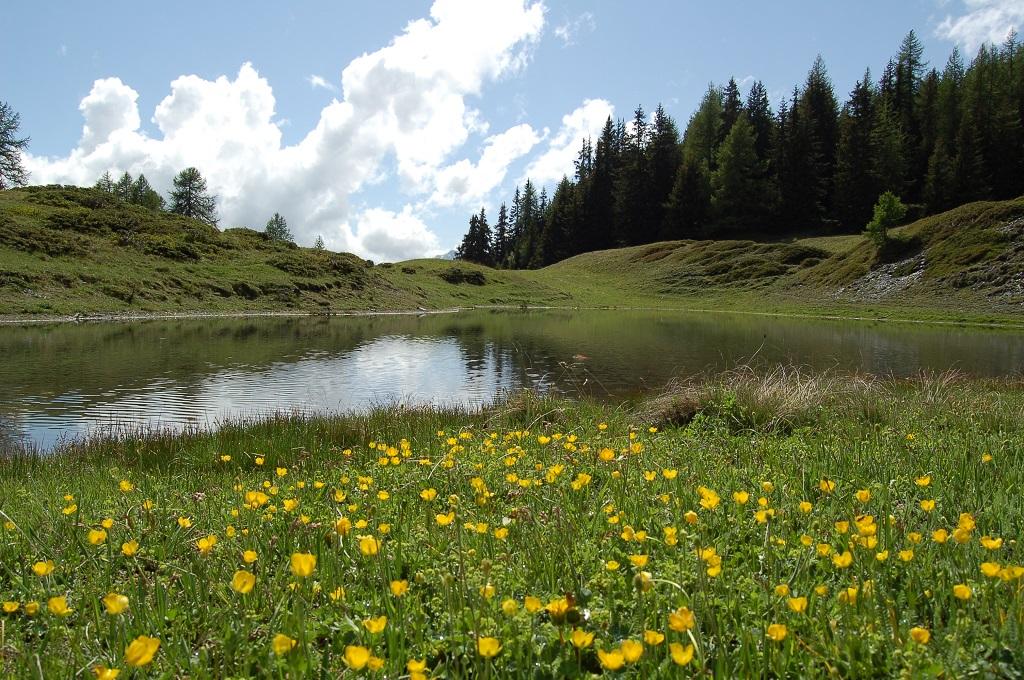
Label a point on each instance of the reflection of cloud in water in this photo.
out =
(389, 369)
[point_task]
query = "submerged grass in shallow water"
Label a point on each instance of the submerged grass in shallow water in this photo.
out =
(855, 536)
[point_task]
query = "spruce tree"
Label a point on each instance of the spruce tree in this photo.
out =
(319, 243)
(144, 195)
(277, 229)
(759, 113)
(499, 248)
(123, 188)
(689, 203)
(732, 107)
(742, 197)
(633, 222)
(665, 159)
(105, 183)
(12, 168)
(856, 183)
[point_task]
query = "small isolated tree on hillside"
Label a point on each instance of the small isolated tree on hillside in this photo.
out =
(277, 229)
(889, 212)
(12, 172)
(189, 197)
(319, 245)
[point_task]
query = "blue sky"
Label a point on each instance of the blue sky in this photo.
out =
(434, 118)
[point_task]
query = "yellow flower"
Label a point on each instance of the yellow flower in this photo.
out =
(290, 504)
(827, 486)
(488, 647)
(805, 507)
(42, 569)
(282, 644)
(70, 509)
(986, 458)
(863, 495)
(923, 481)
(821, 590)
(243, 581)
(369, 545)
(31, 607)
(927, 505)
(356, 656)
(501, 533)
(631, 650)
(428, 494)
(797, 604)
(129, 548)
(416, 665)
(532, 604)
(303, 564)
(141, 650)
(115, 603)
(681, 655)
(375, 624)
(906, 555)
(58, 606)
(337, 594)
(842, 527)
(990, 569)
(782, 590)
(940, 535)
(611, 565)
(708, 498)
(184, 522)
(611, 661)
(882, 555)
(848, 595)
(249, 556)
(259, 460)
(509, 606)
(10, 607)
(669, 474)
(582, 639)
(740, 497)
(107, 523)
(97, 536)
(125, 486)
(690, 516)
(443, 519)
(843, 560)
(681, 620)
(399, 588)
(962, 591)
(653, 638)
(103, 673)
(639, 561)
(777, 632)
(281, 472)
(920, 635)
(205, 545)
(992, 543)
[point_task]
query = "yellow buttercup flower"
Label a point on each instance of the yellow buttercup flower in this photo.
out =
(282, 644)
(827, 486)
(680, 655)
(962, 591)
(797, 604)
(777, 632)
(582, 639)
(357, 657)
(509, 606)
(428, 494)
(399, 588)
(740, 497)
(653, 638)
(681, 620)
(532, 604)
(611, 660)
(103, 673)
(10, 607)
(375, 624)
(243, 581)
(805, 507)
(631, 650)
(927, 505)
(97, 536)
(141, 650)
(444, 519)
(369, 545)
(991, 543)
(115, 603)
(863, 495)
(184, 522)
(58, 606)
(249, 556)
(205, 544)
(920, 635)
(42, 569)
(129, 548)
(990, 569)
(639, 561)
(488, 647)
(303, 564)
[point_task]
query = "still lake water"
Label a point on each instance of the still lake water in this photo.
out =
(64, 381)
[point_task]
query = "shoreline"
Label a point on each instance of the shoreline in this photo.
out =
(127, 317)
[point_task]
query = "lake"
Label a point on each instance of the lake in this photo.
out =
(60, 381)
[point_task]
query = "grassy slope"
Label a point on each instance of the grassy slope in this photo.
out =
(64, 251)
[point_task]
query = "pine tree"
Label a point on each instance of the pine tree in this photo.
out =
(123, 188)
(689, 203)
(499, 249)
(189, 197)
(819, 118)
(598, 201)
(759, 113)
(741, 198)
(732, 107)
(856, 183)
(277, 229)
(633, 223)
(144, 195)
(319, 243)
(665, 158)
(700, 141)
(105, 183)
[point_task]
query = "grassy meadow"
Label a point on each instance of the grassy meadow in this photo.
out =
(755, 524)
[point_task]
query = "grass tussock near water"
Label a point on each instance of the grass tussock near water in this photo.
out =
(760, 523)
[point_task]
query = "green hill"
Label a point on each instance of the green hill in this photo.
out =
(67, 250)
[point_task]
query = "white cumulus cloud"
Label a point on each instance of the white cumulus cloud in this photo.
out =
(569, 31)
(404, 106)
(982, 21)
(586, 121)
(316, 81)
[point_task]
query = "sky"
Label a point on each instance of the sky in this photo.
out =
(382, 126)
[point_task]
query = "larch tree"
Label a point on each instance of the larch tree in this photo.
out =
(190, 198)
(12, 170)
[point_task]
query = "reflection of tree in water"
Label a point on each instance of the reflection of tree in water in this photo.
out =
(11, 438)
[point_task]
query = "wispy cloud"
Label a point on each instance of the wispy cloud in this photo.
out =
(321, 82)
(569, 31)
(982, 21)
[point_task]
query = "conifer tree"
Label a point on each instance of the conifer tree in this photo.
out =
(277, 229)
(144, 195)
(189, 197)
(105, 183)
(12, 168)
(856, 181)
(741, 198)
(123, 188)
(665, 159)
